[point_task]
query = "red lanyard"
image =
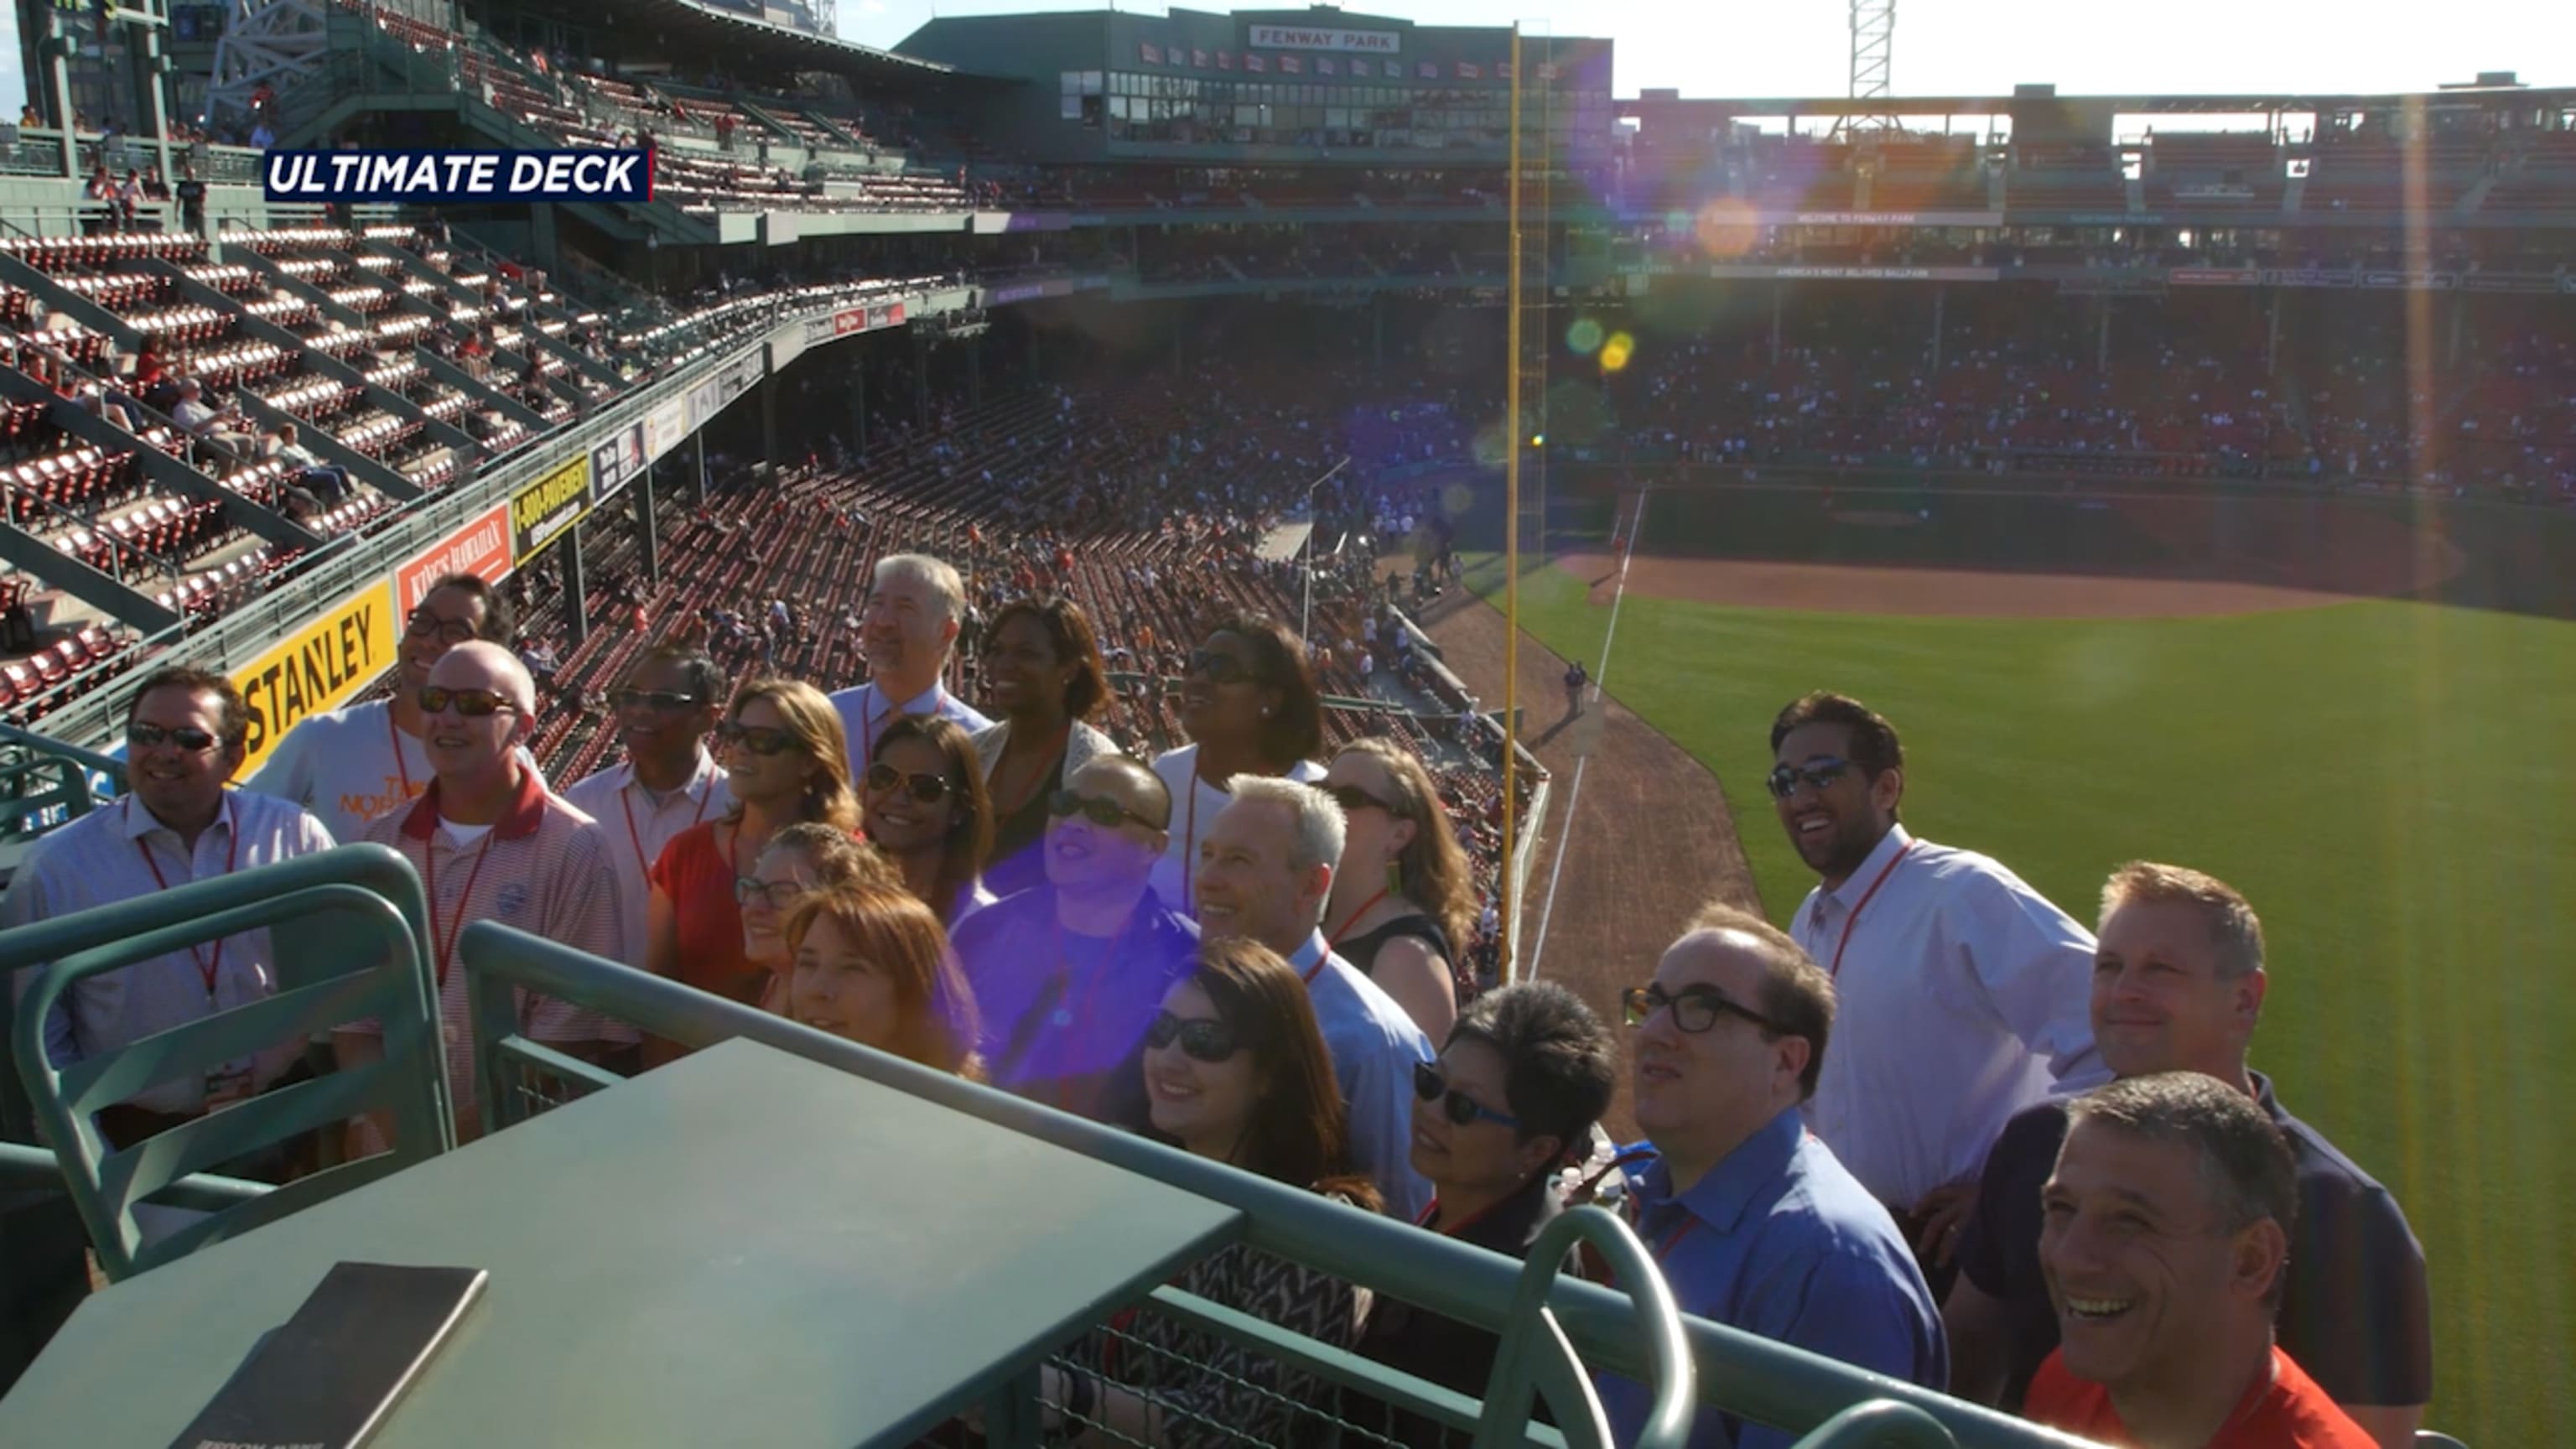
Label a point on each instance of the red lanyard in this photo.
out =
(395, 735)
(1322, 956)
(638, 841)
(429, 887)
(1836, 970)
(206, 970)
(1333, 938)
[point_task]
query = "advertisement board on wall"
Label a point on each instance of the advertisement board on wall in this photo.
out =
(480, 548)
(664, 428)
(329, 658)
(614, 463)
(540, 512)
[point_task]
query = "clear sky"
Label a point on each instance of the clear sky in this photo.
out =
(1981, 47)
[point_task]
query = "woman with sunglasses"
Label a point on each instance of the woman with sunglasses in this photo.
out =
(786, 763)
(1249, 703)
(925, 807)
(799, 860)
(872, 966)
(1527, 1071)
(1235, 1070)
(1400, 908)
(1043, 673)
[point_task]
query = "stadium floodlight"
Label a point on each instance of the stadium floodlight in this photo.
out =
(1873, 55)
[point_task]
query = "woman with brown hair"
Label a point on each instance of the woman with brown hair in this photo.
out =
(873, 967)
(786, 763)
(1401, 905)
(1249, 702)
(1235, 1070)
(1044, 676)
(925, 807)
(797, 861)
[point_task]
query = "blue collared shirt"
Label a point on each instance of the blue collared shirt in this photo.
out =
(1778, 1239)
(1374, 1046)
(1065, 1014)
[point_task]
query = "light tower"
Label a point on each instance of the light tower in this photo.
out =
(1873, 50)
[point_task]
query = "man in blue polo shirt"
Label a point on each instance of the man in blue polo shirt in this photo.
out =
(1753, 1222)
(2178, 985)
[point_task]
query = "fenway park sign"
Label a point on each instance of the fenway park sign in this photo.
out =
(1307, 37)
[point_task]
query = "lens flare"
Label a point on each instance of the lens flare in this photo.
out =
(1584, 337)
(1725, 228)
(1616, 352)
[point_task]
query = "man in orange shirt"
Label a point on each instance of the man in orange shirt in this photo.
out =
(2164, 1235)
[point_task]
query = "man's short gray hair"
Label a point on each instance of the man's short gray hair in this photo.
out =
(922, 568)
(1321, 829)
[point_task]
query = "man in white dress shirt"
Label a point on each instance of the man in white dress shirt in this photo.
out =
(1965, 995)
(666, 703)
(913, 616)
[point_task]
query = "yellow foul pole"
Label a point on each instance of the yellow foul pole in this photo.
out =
(1511, 913)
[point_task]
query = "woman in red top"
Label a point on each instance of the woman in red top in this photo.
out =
(785, 758)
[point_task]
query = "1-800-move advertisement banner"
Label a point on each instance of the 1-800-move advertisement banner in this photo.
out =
(542, 511)
(329, 658)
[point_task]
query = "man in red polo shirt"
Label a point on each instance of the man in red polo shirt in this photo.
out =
(2164, 1236)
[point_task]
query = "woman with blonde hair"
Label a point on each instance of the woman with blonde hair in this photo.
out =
(799, 860)
(873, 966)
(1401, 902)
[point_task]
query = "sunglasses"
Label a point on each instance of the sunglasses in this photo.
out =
(449, 631)
(1352, 798)
(662, 701)
(1784, 780)
(1201, 1040)
(925, 789)
(471, 703)
(755, 739)
(187, 737)
(1219, 667)
(1695, 1008)
(1064, 805)
(1457, 1106)
(780, 894)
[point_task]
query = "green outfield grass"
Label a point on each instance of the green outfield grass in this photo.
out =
(2390, 783)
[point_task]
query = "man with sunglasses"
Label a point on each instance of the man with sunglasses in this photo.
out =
(491, 843)
(666, 704)
(1963, 990)
(1070, 973)
(915, 609)
(350, 766)
(1752, 1220)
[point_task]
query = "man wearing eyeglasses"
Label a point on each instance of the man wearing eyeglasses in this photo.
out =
(350, 766)
(1963, 990)
(1070, 973)
(1752, 1220)
(666, 704)
(914, 613)
(491, 843)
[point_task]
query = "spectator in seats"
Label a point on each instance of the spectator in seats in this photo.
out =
(781, 749)
(192, 197)
(1526, 1073)
(911, 624)
(2165, 1238)
(1265, 870)
(1967, 997)
(350, 766)
(924, 805)
(666, 704)
(873, 966)
(1400, 902)
(326, 481)
(262, 136)
(220, 431)
(1755, 1223)
(799, 860)
(2178, 986)
(1250, 706)
(1236, 1071)
(515, 853)
(1071, 971)
(1042, 670)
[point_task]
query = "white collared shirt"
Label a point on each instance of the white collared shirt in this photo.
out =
(865, 712)
(350, 766)
(1964, 997)
(99, 860)
(1195, 804)
(637, 830)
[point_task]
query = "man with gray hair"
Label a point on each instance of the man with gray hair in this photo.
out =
(914, 612)
(1265, 869)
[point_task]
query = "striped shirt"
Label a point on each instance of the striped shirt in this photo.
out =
(112, 854)
(546, 869)
(639, 830)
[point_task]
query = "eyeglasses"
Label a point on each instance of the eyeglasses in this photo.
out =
(1352, 797)
(471, 703)
(1457, 1106)
(1219, 667)
(423, 623)
(780, 894)
(141, 736)
(1202, 1040)
(925, 789)
(756, 739)
(661, 701)
(1784, 779)
(1064, 805)
(1695, 1008)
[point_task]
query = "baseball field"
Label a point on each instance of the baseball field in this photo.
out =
(2389, 781)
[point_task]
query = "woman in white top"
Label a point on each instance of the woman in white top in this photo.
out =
(1251, 707)
(1043, 677)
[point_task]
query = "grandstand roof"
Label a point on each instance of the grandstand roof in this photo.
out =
(710, 32)
(2170, 104)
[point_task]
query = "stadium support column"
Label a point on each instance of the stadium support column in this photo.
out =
(975, 371)
(1940, 300)
(2102, 342)
(576, 594)
(648, 546)
(920, 379)
(1377, 329)
(769, 426)
(859, 409)
(1779, 297)
(2272, 336)
(58, 85)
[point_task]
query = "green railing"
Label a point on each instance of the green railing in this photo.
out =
(45, 783)
(1745, 1375)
